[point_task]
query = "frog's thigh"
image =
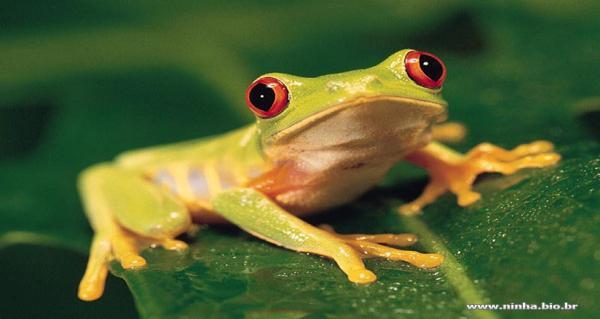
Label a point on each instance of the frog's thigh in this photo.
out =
(137, 204)
(114, 197)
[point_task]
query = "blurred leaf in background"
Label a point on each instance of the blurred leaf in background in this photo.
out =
(81, 81)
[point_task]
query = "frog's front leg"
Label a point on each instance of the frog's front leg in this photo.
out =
(125, 212)
(257, 214)
(452, 171)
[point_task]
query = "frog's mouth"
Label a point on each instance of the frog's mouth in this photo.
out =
(364, 121)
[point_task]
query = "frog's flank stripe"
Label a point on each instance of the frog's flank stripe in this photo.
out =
(226, 177)
(164, 178)
(195, 182)
(455, 273)
(198, 183)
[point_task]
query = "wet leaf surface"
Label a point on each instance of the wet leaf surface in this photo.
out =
(140, 74)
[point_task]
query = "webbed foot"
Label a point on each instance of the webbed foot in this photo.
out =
(375, 245)
(123, 247)
(457, 173)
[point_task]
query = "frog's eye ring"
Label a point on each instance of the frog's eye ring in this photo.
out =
(425, 69)
(267, 97)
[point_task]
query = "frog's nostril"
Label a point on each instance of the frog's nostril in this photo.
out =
(375, 81)
(372, 81)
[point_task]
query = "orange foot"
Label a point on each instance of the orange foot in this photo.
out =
(449, 170)
(377, 246)
(120, 245)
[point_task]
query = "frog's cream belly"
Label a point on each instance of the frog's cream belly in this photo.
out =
(344, 177)
(347, 184)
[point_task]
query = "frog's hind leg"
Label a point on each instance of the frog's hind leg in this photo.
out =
(452, 171)
(259, 215)
(125, 212)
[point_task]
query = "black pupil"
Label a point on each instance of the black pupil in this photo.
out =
(262, 97)
(431, 67)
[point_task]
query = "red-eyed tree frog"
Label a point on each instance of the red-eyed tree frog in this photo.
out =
(316, 143)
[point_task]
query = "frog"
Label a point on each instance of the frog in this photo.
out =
(316, 143)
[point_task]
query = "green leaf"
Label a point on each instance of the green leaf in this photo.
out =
(83, 82)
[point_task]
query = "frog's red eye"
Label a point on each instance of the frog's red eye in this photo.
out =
(425, 69)
(267, 97)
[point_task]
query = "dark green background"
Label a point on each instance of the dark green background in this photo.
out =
(81, 81)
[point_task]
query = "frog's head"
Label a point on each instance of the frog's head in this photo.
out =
(400, 96)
